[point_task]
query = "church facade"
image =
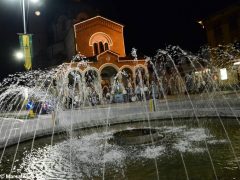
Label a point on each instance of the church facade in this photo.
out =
(100, 68)
(101, 41)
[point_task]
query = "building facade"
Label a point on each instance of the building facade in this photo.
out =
(102, 42)
(107, 69)
(223, 35)
(224, 26)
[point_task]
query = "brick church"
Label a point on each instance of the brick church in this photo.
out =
(102, 42)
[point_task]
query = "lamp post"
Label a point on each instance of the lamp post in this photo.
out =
(26, 39)
(24, 17)
(23, 2)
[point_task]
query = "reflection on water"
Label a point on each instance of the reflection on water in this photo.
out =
(83, 157)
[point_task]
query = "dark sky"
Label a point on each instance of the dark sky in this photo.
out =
(149, 25)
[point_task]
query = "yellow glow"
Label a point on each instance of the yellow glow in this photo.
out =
(237, 62)
(223, 74)
(37, 13)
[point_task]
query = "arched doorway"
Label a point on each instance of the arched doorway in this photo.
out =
(127, 77)
(74, 78)
(93, 88)
(75, 91)
(91, 77)
(140, 75)
(107, 74)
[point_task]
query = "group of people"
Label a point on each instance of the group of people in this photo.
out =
(38, 107)
(132, 94)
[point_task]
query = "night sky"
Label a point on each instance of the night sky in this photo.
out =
(149, 25)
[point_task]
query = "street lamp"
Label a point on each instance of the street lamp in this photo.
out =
(23, 2)
(201, 23)
(24, 13)
(19, 55)
(26, 39)
(37, 13)
(35, 1)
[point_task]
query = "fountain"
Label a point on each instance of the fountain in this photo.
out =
(183, 124)
(136, 136)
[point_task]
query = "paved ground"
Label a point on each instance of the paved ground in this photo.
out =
(12, 129)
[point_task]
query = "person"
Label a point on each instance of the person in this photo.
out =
(94, 99)
(37, 107)
(108, 95)
(133, 98)
(29, 105)
(125, 96)
(131, 93)
(76, 102)
(128, 94)
(138, 92)
(44, 108)
(145, 89)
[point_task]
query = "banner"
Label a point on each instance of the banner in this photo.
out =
(26, 46)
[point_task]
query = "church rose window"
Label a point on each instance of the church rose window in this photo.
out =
(100, 42)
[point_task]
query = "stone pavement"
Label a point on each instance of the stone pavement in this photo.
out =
(13, 130)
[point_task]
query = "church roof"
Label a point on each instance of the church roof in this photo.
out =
(93, 19)
(92, 59)
(108, 51)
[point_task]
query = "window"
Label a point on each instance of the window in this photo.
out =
(101, 47)
(64, 25)
(218, 34)
(95, 46)
(100, 42)
(223, 74)
(233, 27)
(106, 46)
(233, 23)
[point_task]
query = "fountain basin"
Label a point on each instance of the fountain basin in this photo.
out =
(89, 149)
(136, 136)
